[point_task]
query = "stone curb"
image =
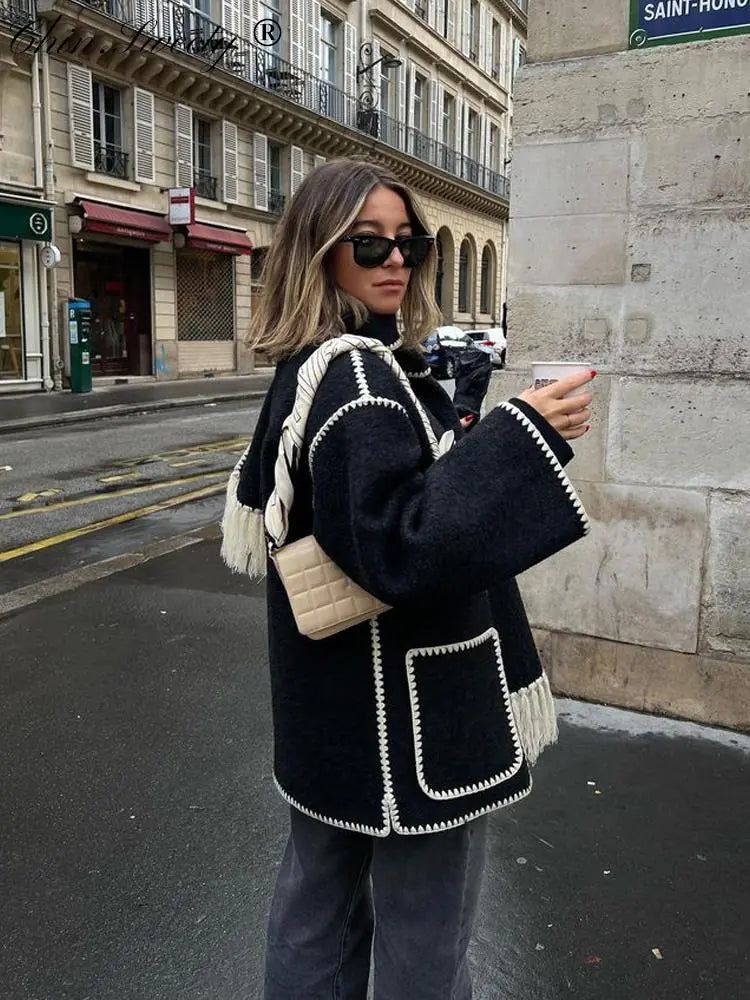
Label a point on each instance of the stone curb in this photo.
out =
(123, 410)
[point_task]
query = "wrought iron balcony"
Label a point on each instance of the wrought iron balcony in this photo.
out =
(110, 160)
(189, 31)
(205, 184)
(276, 202)
(17, 12)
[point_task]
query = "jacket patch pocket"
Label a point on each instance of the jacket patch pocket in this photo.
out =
(465, 738)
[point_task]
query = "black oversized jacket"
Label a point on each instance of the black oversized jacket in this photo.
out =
(426, 716)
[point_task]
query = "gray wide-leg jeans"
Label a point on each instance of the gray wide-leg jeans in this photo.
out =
(340, 896)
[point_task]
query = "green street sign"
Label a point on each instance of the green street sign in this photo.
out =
(25, 222)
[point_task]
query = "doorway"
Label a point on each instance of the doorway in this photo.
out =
(117, 282)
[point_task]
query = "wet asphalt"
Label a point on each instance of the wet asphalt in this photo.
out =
(140, 832)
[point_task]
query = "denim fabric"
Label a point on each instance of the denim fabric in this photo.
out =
(340, 897)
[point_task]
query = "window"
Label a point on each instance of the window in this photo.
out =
(11, 316)
(329, 61)
(519, 56)
(205, 182)
(276, 199)
(420, 9)
(270, 10)
(386, 90)
(464, 278)
(472, 134)
(449, 120)
(485, 292)
(109, 157)
(420, 90)
(440, 271)
(496, 49)
(473, 30)
(493, 151)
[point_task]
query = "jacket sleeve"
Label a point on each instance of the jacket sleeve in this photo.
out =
(406, 530)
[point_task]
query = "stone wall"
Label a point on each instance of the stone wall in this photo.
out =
(629, 249)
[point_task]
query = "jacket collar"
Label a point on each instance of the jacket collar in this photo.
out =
(379, 327)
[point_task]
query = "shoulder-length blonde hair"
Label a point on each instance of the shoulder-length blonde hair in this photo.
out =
(300, 304)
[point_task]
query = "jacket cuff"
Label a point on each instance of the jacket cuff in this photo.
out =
(563, 452)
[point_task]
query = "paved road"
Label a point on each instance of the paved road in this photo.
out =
(140, 833)
(56, 483)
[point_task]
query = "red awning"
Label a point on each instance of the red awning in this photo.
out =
(202, 236)
(98, 218)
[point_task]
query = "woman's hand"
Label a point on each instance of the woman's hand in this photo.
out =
(570, 417)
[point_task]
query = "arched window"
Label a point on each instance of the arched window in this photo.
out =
(464, 278)
(486, 304)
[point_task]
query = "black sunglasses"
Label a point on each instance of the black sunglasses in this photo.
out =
(372, 251)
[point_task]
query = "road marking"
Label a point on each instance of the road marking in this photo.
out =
(114, 494)
(110, 522)
(119, 478)
(30, 497)
(190, 450)
(183, 465)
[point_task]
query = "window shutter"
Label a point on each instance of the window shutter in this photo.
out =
(147, 15)
(143, 119)
(489, 22)
(410, 98)
(483, 20)
(432, 13)
(319, 161)
(376, 73)
(461, 123)
(439, 6)
(229, 144)
(313, 37)
(297, 33)
(230, 16)
(450, 33)
(350, 59)
(435, 109)
(297, 168)
(80, 109)
(183, 142)
(466, 33)
(260, 171)
(402, 70)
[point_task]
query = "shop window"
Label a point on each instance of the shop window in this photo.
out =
(205, 296)
(204, 179)
(11, 311)
(109, 156)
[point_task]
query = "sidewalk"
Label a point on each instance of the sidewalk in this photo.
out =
(140, 831)
(44, 409)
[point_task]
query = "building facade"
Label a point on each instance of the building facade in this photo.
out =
(630, 243)
(237, 100)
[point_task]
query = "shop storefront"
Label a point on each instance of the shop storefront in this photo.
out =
(23, 226)
(206, 284)
(112, 270)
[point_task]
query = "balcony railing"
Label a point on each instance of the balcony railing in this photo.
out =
(110, 160)
(276, 202)
(205, 184)
(17, 12)
(192, 32)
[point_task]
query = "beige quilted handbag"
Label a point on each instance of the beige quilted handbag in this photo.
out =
(323, 598)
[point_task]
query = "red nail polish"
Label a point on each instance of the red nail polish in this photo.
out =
(594, 373)
(588, 427)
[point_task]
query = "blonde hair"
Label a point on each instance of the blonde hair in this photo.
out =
(300, 304)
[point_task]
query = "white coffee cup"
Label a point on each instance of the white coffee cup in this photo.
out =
(546, 372)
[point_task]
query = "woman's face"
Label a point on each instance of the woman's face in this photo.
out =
(381, 289)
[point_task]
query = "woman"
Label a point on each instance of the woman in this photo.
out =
(395, 738)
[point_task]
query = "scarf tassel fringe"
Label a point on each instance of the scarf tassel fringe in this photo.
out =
(536, 719)
(244, 545)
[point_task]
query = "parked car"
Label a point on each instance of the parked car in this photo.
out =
(493, 339)
(443, 347)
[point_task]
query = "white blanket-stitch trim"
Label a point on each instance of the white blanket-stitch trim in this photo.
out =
(569, 488)
(536, 718)
(376, 650)
(359, 373)
(490, 635)
(243, 544)
(355, 404)
(371, 831)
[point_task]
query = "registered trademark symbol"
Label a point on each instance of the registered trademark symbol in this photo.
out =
(267, 32)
